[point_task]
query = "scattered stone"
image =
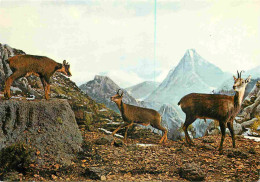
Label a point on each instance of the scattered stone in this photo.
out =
(214, 132)
(12, 176)
(146, 145)
(237, 153)
(252, 150)
(192, 171)
(96, 173)
(208, 140)
(238, 130)
(118, 143)
(249, 123)
(207, 147)
(104, 140)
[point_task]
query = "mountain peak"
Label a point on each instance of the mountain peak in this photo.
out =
(192, 74)
(100, 77)
(191, 52)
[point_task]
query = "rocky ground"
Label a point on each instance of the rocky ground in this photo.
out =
(174, 160)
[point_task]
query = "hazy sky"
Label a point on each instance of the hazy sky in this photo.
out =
(116, 38)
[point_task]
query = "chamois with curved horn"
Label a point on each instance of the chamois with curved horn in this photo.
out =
(44, 67)
(223, 108)
(134, 114)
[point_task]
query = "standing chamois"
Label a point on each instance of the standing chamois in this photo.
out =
(134, 114)
(223, 108)
(43, 67)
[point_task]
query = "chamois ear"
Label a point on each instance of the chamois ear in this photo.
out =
(64, 62)
(234, 77)
(248, 79)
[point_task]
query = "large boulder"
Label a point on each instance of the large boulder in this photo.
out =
(48, 126)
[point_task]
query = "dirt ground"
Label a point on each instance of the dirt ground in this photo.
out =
(175, 160)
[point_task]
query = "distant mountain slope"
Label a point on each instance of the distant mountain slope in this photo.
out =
(142, 90)
(102, 88)
(254, 72)
(192, 74)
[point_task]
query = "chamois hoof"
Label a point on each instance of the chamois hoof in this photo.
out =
(220, 150)
(112, 143)
(191, 143)
(7, 98)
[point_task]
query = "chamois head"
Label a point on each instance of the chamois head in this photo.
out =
(65, 69)
(118, 96)
(240, 83)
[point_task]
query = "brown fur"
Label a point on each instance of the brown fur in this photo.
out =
(25, 65)
(134, 114)
(218, 107)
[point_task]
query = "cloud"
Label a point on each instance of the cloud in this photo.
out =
(117, 37)
(124, 79)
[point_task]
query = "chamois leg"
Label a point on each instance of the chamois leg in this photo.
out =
(8, 84)
(223, 134)
(121, 126)
(127, 127)
(45, 87)
(164, 130)
(230, 127)
(47, 92)
(43, 83)
(188, 121)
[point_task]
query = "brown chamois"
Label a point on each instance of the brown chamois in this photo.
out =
(222, 108)
(43, 67)
(134, 114)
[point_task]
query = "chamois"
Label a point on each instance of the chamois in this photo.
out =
(43, 67)
(222, 108)
(134, 114)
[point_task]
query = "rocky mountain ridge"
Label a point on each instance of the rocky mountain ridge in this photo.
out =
(102, 88)
(142, 90)
(192, 74)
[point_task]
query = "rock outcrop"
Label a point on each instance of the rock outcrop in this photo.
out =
(48, 126)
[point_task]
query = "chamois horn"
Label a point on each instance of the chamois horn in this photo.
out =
(119, 91)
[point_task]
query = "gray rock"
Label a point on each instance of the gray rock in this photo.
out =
(208, 140)
(237, 153)
(48, 126)
(248, 123)
(192, 172)
(105, 140)
(96, 173)
(237, 128)
(12, 176)
(171, 120)
(207, 147)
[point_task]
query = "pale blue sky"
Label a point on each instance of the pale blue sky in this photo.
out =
(116, 37)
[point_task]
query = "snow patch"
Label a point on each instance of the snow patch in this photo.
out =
(146, 145)
(191, 53)
(32, 97)
(257, 139)
(109, 132)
